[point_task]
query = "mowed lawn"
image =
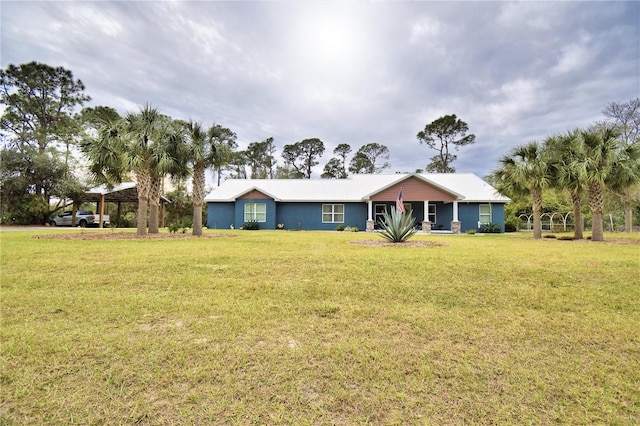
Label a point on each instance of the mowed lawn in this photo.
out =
(282, 327)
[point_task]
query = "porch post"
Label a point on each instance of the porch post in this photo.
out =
(455, 223)
(426, 224)
(369, 216)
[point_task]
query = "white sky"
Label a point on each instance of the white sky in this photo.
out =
(345, 71)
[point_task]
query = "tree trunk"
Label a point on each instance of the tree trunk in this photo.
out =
(578, 227)
(154, 206)
(143, 180)
(536, 197)
(198, 197)
(596, 204)
(628, 212)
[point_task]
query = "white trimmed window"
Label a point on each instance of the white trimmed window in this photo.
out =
(333, 213)
(485, 214)
(255, 211)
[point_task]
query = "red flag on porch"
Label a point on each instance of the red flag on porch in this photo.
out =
(400, 203)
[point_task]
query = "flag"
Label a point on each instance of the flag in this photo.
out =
(400, 203)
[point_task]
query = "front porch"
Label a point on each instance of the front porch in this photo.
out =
(432, 217)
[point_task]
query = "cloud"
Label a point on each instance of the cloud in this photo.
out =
(347, 72)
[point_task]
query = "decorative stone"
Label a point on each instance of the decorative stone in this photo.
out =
(426, 226)
(455, 227)
(370, 225)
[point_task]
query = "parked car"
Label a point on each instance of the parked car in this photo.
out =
(84, 218)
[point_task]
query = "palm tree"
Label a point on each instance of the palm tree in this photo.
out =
(200, 152)
(625, 174)
(524, 171)
(140, 142)
(567, 174)
(599, 148)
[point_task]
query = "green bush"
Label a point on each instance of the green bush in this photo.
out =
(252, 225)
(354, 229)
(397, 227)
(181, 226)
(340, 228)
(490, 228)
(471, 232)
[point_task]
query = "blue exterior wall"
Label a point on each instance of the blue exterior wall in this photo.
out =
(308, 216)
(220, 215)
(469, 214)
(271, 212)
(497, 215)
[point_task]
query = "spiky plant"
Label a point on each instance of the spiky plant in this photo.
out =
(397, 227)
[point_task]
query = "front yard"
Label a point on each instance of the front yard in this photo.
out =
(284, 327)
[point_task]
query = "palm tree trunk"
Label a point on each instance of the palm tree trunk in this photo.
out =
(628, 212)
(596, 204)
(143, 180)
(198, 197)
(154, 205)
(578, 227)
(536, 197)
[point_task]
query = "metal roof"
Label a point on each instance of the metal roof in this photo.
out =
(126, 192)
(357, 188)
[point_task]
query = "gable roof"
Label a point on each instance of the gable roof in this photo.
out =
(357, 188)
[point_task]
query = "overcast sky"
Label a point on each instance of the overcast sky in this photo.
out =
(345, 71)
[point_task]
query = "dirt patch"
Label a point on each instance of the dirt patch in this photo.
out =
(406, 244)
(124, 236)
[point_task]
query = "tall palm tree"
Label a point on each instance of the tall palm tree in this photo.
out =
(600, 150)
(524, 171)
(567, 174)
(199, 153)
(624, 176)
(141, 143)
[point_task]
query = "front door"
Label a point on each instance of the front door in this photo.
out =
(380, 210)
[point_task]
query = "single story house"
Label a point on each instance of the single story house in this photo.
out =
(445, 202)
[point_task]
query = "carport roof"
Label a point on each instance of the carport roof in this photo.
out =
(126, 192)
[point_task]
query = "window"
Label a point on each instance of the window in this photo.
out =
(431, 216)
(485, 214)
(333, 213)
(255, 211)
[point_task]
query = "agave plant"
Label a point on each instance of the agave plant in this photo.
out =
(397, 227)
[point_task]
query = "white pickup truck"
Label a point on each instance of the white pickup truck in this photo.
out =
(84, 218)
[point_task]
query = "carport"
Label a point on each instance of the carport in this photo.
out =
(126, 192)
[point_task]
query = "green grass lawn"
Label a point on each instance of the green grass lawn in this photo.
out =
(281, 327)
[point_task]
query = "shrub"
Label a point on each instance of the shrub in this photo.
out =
(340, 228)
(354, 229)
(397, 227)
(471, 232)
(252, 225)
(490, 228)
(181, 226)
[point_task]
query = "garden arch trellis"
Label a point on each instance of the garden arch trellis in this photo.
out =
(563, 220)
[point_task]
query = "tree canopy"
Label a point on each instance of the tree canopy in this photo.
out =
(303, 155)
(445, 134)
(38, 120)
